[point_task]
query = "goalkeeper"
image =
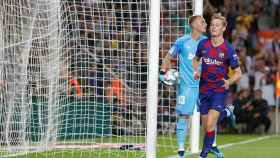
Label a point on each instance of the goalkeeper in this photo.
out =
(185, 48)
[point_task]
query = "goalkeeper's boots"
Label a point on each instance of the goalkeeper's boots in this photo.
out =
(181, 154)
(232, 118)
(215, 151)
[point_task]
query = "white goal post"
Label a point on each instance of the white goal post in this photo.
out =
(195, 129)
(152, 89)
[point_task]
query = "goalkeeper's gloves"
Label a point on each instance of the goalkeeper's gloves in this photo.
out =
(162, 75)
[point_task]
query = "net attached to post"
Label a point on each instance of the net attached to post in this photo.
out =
(73, 77)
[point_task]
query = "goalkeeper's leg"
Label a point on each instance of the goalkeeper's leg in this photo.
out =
(181, 132)
(186, 100)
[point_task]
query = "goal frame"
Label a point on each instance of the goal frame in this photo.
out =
(152, 88)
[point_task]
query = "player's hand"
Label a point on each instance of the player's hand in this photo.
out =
(196, 75)
(226, 84)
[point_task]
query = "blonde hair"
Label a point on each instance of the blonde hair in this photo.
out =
(219, 17)
(192, 18)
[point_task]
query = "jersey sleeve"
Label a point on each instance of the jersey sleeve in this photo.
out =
(233, 58)
(175, 49)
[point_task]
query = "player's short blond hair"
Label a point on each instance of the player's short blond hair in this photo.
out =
(192, 18)
(219, 17)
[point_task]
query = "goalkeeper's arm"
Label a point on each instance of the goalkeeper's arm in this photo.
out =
(166, 64)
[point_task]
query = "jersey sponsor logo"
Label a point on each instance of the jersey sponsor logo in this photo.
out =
(210, 61)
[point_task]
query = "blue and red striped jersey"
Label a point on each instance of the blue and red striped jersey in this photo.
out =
(215, 64)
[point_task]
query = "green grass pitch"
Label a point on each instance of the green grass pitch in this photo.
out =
(267, 148)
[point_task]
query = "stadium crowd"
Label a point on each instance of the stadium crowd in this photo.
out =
(109, 46)
(254, 96)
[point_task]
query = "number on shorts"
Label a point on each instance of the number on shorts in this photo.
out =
(181, 99)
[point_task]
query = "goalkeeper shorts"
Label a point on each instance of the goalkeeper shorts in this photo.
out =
(187, 98)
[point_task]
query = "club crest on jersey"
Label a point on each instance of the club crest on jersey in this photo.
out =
(222, 55)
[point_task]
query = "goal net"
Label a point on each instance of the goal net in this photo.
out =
(73, 77)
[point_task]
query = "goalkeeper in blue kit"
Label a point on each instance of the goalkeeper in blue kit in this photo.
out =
(185, 48)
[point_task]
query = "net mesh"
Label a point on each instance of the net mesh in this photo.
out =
(73, 75)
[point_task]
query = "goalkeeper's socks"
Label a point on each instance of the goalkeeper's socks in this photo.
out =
(181, 132)
(207, 143)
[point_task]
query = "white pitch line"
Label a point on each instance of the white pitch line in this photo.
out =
(233, 144)
(244, 142)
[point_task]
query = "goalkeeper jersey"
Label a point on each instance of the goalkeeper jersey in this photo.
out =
(185, 48)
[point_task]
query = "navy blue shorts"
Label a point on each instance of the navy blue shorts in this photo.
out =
(215, 101)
